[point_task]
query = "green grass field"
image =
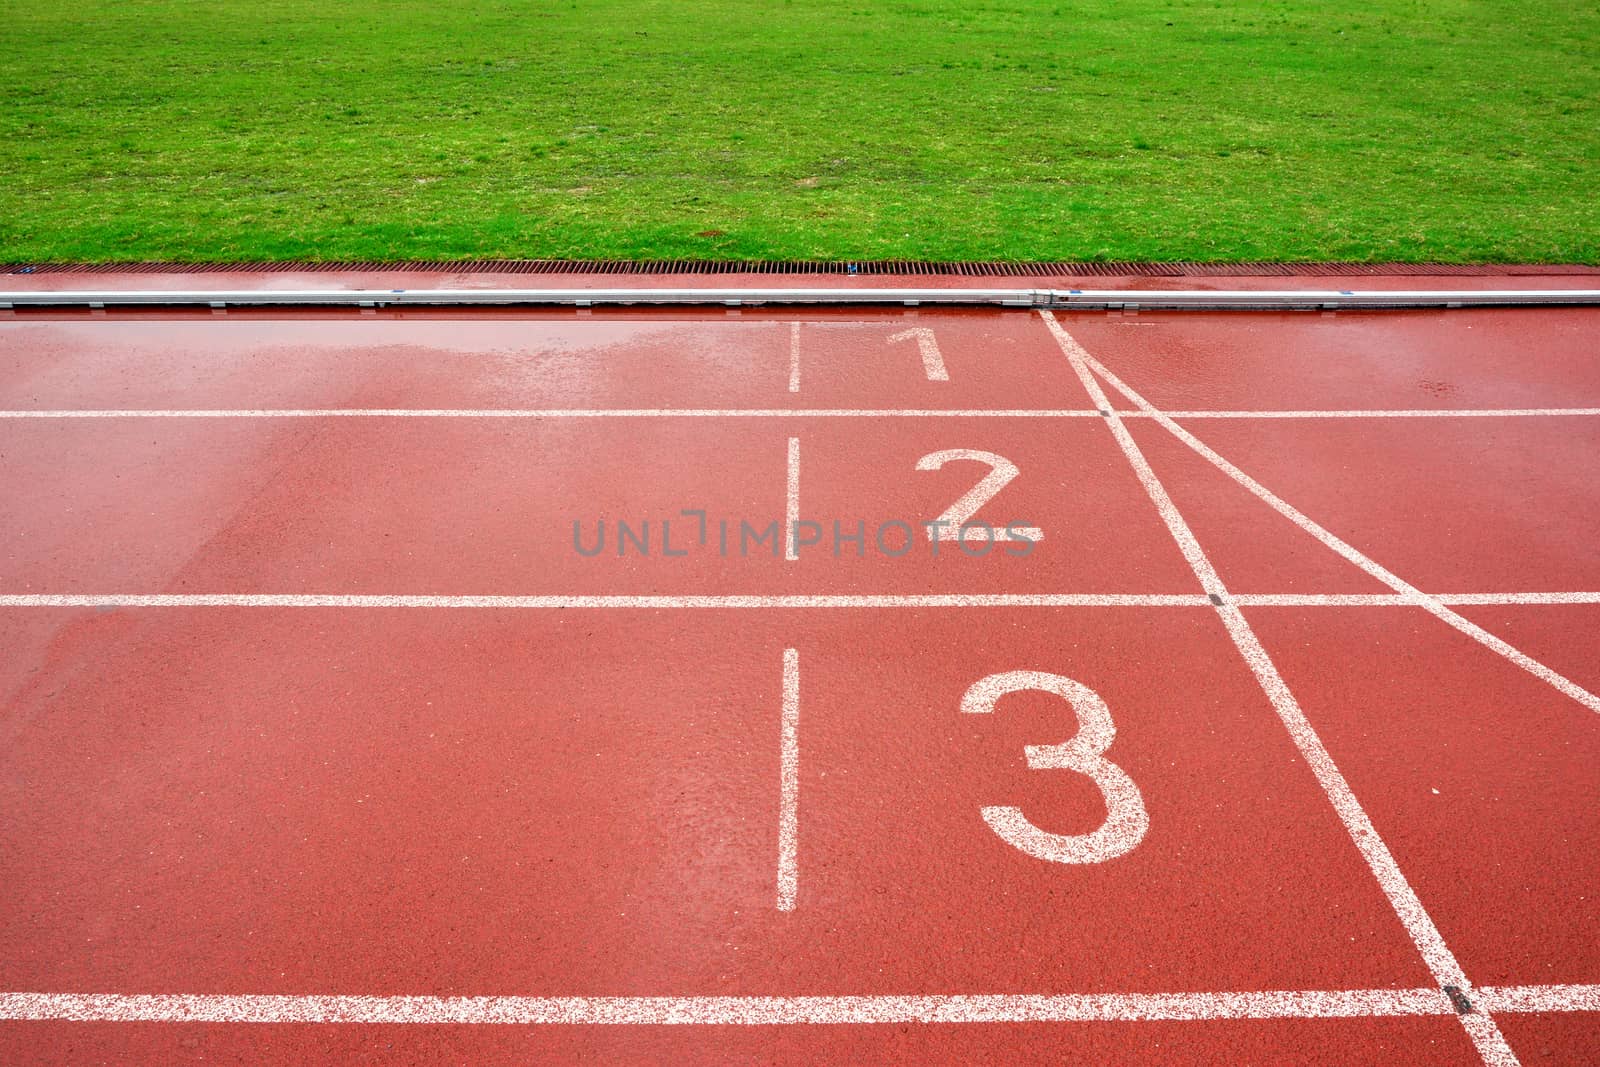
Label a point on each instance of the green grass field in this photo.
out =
(811, 129)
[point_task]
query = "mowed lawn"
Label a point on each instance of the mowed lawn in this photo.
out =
(814, 129)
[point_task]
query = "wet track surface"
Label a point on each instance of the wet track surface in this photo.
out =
(439, 686)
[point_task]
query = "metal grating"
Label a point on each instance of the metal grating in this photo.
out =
(821, 267)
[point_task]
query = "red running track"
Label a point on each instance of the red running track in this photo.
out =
(323, 741)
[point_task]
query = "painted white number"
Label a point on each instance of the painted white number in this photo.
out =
(948, 527)
(932, 361)
(1126, 819)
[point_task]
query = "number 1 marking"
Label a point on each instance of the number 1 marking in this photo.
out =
(932, 360)
(1126, 818)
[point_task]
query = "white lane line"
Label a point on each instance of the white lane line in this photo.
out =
(1541, 997)
(1320, 600)
(653, 601)
(723, 1011)
(774, 1011)
(1376, 413)
(1367, 600)
(1517, 598)
(755, 413)
(791, 503)
(553, 413)
(789, 784)
(1432, 604)
(1486, 1036)
(794, 357)
(796, 600)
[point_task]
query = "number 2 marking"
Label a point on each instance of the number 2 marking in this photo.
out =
(959, 513)
(1126, 818)
(932, 360)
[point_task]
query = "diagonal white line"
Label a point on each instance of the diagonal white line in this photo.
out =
(1491, 1044)
(1432, 604)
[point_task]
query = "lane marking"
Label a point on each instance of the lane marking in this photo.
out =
(1432, 604)
(791, 505)
(777, 1011)
(794, 357)
(1342, 600)
(756, 413)
(1516, 598)
(741, 601)
(928, 346)
(1377, 413)
(1127, 820)
(551, 413)
(789, 784)
(1446, 970)
(1541, 998)
(953, 523)
(652, 601)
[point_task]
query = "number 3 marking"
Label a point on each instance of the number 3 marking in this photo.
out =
(957, 514)
(1126, 819)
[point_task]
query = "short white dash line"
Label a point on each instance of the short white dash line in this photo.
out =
(789, 784)
(794, 357)
(791, 524)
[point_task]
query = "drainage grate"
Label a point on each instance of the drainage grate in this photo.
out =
(827, 267)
